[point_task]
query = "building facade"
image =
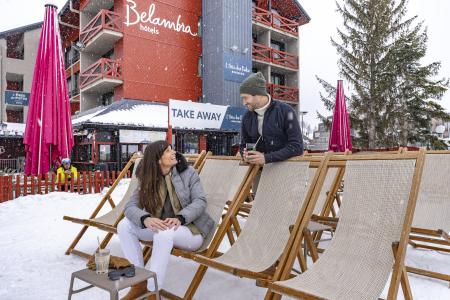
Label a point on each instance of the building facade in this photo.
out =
(17, 58)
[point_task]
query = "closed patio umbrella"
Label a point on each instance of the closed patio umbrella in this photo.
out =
(340, 139)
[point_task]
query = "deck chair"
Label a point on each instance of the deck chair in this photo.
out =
(431, 223)
(371, 238)
(279, 203)
(107, 222)
(196, 159)
(223, 179)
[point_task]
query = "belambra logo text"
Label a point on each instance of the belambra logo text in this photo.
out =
(150, 22)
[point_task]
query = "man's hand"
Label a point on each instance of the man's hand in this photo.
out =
(67, 172)
(172, 222)
(255, 158)
(155, 224)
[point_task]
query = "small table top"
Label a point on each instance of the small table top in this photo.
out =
(102, 280)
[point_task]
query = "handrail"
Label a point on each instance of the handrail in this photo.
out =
(105, 19)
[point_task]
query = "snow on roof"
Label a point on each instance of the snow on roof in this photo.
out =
(13, 129)
(87, 115)
(128, 113)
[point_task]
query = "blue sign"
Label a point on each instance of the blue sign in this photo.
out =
(17, 98)
(233, 118)
(236, 67)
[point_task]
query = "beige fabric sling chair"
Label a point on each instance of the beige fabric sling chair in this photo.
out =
(431, 223)
(282, 199)
(223, 178)
(371, 238)
(107, 222)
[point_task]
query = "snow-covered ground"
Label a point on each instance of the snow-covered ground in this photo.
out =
(33, 239)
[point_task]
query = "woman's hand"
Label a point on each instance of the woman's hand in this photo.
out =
(172, 222)
(155, 224)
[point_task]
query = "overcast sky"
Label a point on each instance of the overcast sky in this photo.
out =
(317, 56)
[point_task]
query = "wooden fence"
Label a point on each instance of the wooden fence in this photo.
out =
(88, 182)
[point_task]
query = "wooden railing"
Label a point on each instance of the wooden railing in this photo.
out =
(267, 54)
(105, 19)
(262, 52)
(103, 68)
(14, 186)
(274, 20)
(285, 93)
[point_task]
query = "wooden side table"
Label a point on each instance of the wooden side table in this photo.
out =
(113, 287)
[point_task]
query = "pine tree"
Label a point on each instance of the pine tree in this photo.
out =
(380, 51)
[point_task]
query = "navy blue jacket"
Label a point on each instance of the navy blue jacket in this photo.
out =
(281, 135)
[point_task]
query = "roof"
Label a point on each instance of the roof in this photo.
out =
(126, 113)
(304, 13)
(20, 29)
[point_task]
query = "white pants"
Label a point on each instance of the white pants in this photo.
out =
(163, 242)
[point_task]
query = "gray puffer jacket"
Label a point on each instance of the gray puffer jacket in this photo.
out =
(192, 199)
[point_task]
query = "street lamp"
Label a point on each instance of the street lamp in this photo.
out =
(302, 113)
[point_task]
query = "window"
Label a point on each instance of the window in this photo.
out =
(128, 150)
(106, 153)
(15, 46)
(278, 79)
(200, 26)
(191, 143)
(107, 98)
(14, 82)
(200, 66)
(83, 153)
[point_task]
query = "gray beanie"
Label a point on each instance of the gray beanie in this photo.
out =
(255, 84)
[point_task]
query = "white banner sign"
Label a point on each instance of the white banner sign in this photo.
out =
(191, 115)
(140, 137)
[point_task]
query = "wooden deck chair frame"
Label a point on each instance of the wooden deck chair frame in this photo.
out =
(88, 222)
(399, 274)
(196, 159)
(223, 229)
(423, 237)
(206, 261)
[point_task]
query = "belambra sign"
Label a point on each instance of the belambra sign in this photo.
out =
(149, 20)
(204, 116)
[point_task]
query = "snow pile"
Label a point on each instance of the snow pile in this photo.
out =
(34, 238)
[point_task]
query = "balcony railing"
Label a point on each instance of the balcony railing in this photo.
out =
(284, 93)
(103, 68)
(105, 19)
(274, 20)
(267, 54)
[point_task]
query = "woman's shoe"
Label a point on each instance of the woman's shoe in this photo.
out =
(136, 291)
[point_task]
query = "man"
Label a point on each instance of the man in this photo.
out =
(66, 170)
(269, 126)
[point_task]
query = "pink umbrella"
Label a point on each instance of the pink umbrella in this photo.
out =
(48, 133)
(340, 139)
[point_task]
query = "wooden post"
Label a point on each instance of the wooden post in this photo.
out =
(53, 182)
(90, 182)
(65, 184)
(39, 178)
(59, 182)
(25, 185)
(17, 186)
(72, 182)
(84, 182)
(32, 185)
(10, 187)
(46, 183)
(78, 183)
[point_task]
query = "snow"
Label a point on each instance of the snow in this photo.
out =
(34, 237)
(141, 115)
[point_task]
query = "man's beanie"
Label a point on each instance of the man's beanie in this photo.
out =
(255, 84)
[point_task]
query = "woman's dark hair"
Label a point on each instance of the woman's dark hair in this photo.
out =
(150, 175)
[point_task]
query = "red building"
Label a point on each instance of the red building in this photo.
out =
(198, 50)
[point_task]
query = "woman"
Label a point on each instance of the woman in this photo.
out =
(168, 208)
